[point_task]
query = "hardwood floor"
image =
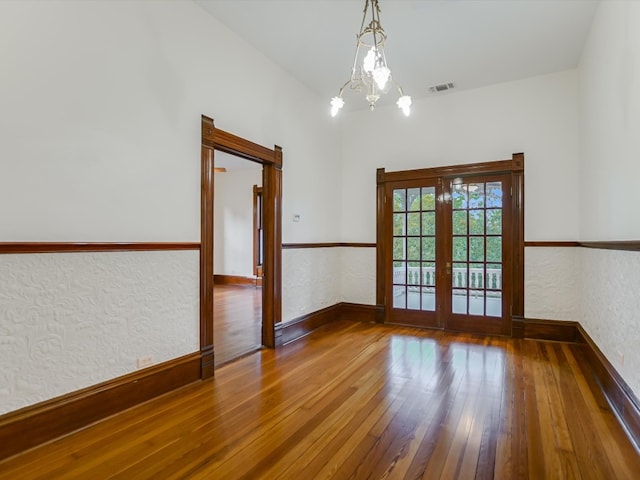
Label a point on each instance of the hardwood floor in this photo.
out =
(237, 311)
(356, 400)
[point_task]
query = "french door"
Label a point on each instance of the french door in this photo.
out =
(448, 250)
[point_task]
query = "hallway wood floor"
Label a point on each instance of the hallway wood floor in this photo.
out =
(356, 400)
(237, 321)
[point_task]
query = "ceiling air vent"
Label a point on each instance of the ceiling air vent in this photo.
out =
(443, 87)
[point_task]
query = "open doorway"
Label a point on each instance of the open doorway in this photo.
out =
(237, 287)
(215, 141)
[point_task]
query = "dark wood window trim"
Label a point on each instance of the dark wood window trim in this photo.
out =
(291, 246)
(514, 167)
(71, 247)
(271, 159)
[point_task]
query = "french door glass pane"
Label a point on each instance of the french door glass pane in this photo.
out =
(460, 275)
(413, 298)
(459, 304)
(413, 224)
(429, 273)
(476, 195)
(413, 199)
(476, 249)
(494, 249)
(429, 223)
(460, 222)
(399, 250)
(476, 222)
(429, 249)
(399, 273)
(494, 276)
(459, 196)
(494, 304)
(428, 299)
(476, 275)
(476, 302)
(428, 198)
(399, 200)
(413, 248)
(413, 273)
(399, 224)
(460, 249)
(494, 194)
(494, 222)
(399, 296)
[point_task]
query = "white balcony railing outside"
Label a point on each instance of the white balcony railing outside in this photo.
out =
(420, 291)
(476, 278)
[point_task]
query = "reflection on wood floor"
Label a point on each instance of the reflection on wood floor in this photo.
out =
(237, 320)
(356, 400)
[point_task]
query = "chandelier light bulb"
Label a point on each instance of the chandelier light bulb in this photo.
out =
(404, 103)
(336, 104)
(369, 62)
(381, 76)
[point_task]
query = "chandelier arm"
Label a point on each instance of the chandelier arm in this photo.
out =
(343, 87)
(355, 62)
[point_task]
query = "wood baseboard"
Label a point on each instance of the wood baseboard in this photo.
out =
(535, 329)
(621, 398)
(304, 325)
(359, 312)
(45, 421)
(554, 330)
(235, 280)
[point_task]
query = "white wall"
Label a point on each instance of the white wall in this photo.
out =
(310, 280)
(610, 168)
(100, 141)
(233, 221)
(71, 320)
(552, 283)
(100, 124)
(537, 116)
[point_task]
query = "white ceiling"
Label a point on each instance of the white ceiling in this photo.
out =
(470, 42)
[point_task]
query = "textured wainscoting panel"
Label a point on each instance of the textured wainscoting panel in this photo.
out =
(310, 280)
(72, 320)
(552, 283)
(611, 308)
(358, 275)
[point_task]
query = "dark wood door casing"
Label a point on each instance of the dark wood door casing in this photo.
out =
(212, 139)
(513, 169)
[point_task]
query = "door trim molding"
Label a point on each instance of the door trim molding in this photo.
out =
(514, 167)
(212, 138)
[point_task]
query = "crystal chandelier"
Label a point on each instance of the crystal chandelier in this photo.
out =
(370, 73)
